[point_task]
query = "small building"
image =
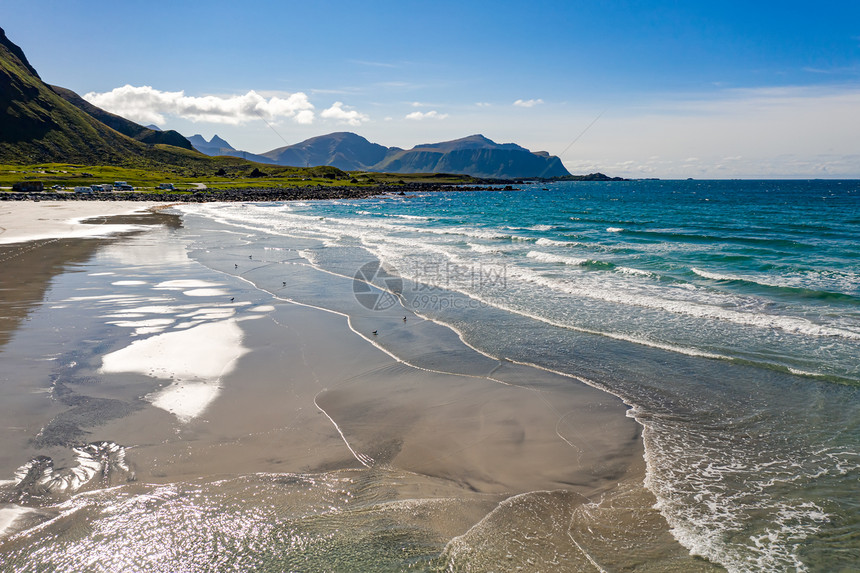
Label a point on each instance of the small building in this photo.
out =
(28, 186)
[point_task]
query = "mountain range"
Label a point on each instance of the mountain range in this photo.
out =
(475, 155)
(43, 123)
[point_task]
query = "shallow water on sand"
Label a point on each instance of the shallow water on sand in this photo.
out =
(141, 432)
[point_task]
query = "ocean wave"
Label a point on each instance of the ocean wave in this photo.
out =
(696, 309)
(544, 242)
(549, 258)
(822, 285)
(484, 249)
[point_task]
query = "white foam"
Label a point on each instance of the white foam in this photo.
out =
(412, 217)
(614, 229)
(632, 271)
(550, 258)
(484, 249)
(194, 357)
(128, 283)
(544, 242)
(697, 309)
(263, 308)
(714, 276)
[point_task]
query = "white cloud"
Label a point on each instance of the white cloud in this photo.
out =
(433, 114)
(349, 116)
(146, 104)
(528, 102)
(483, 104)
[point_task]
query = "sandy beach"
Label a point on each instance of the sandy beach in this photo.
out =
(22, 221)
(193, 379)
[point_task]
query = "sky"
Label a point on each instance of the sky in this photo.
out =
(667, 89)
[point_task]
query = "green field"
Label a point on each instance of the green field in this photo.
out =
(223, 173)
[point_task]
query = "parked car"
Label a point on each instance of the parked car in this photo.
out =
(27, 186)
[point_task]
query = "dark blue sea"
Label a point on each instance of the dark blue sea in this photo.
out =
(725, 314)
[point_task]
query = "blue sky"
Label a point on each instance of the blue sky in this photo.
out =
(680, 89)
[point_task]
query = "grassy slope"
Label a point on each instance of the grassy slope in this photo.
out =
(237, 174)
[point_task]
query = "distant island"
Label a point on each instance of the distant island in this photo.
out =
(474, 155)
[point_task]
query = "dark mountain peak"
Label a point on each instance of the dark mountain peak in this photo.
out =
(342, 149)
(220, 143)
(335, 138)
(476, 141)
(197, 139)
(17, 52)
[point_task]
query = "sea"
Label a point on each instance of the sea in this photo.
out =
(725, 314)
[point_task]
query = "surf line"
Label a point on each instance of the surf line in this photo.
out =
(363, 459)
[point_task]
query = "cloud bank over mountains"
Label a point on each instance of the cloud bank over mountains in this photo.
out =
(147, 105)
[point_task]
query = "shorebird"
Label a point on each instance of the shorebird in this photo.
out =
(404, 319)
(374, 333)
(231, 298)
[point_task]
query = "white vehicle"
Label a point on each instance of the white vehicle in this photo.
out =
(167, 186)
(83, 190)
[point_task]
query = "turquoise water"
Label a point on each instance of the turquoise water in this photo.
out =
(725, 314)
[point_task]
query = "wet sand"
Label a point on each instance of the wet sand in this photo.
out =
(203, 379)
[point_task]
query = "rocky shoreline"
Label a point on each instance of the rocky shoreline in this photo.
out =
(244, 194)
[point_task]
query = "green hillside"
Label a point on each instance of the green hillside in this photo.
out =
(39, 126)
